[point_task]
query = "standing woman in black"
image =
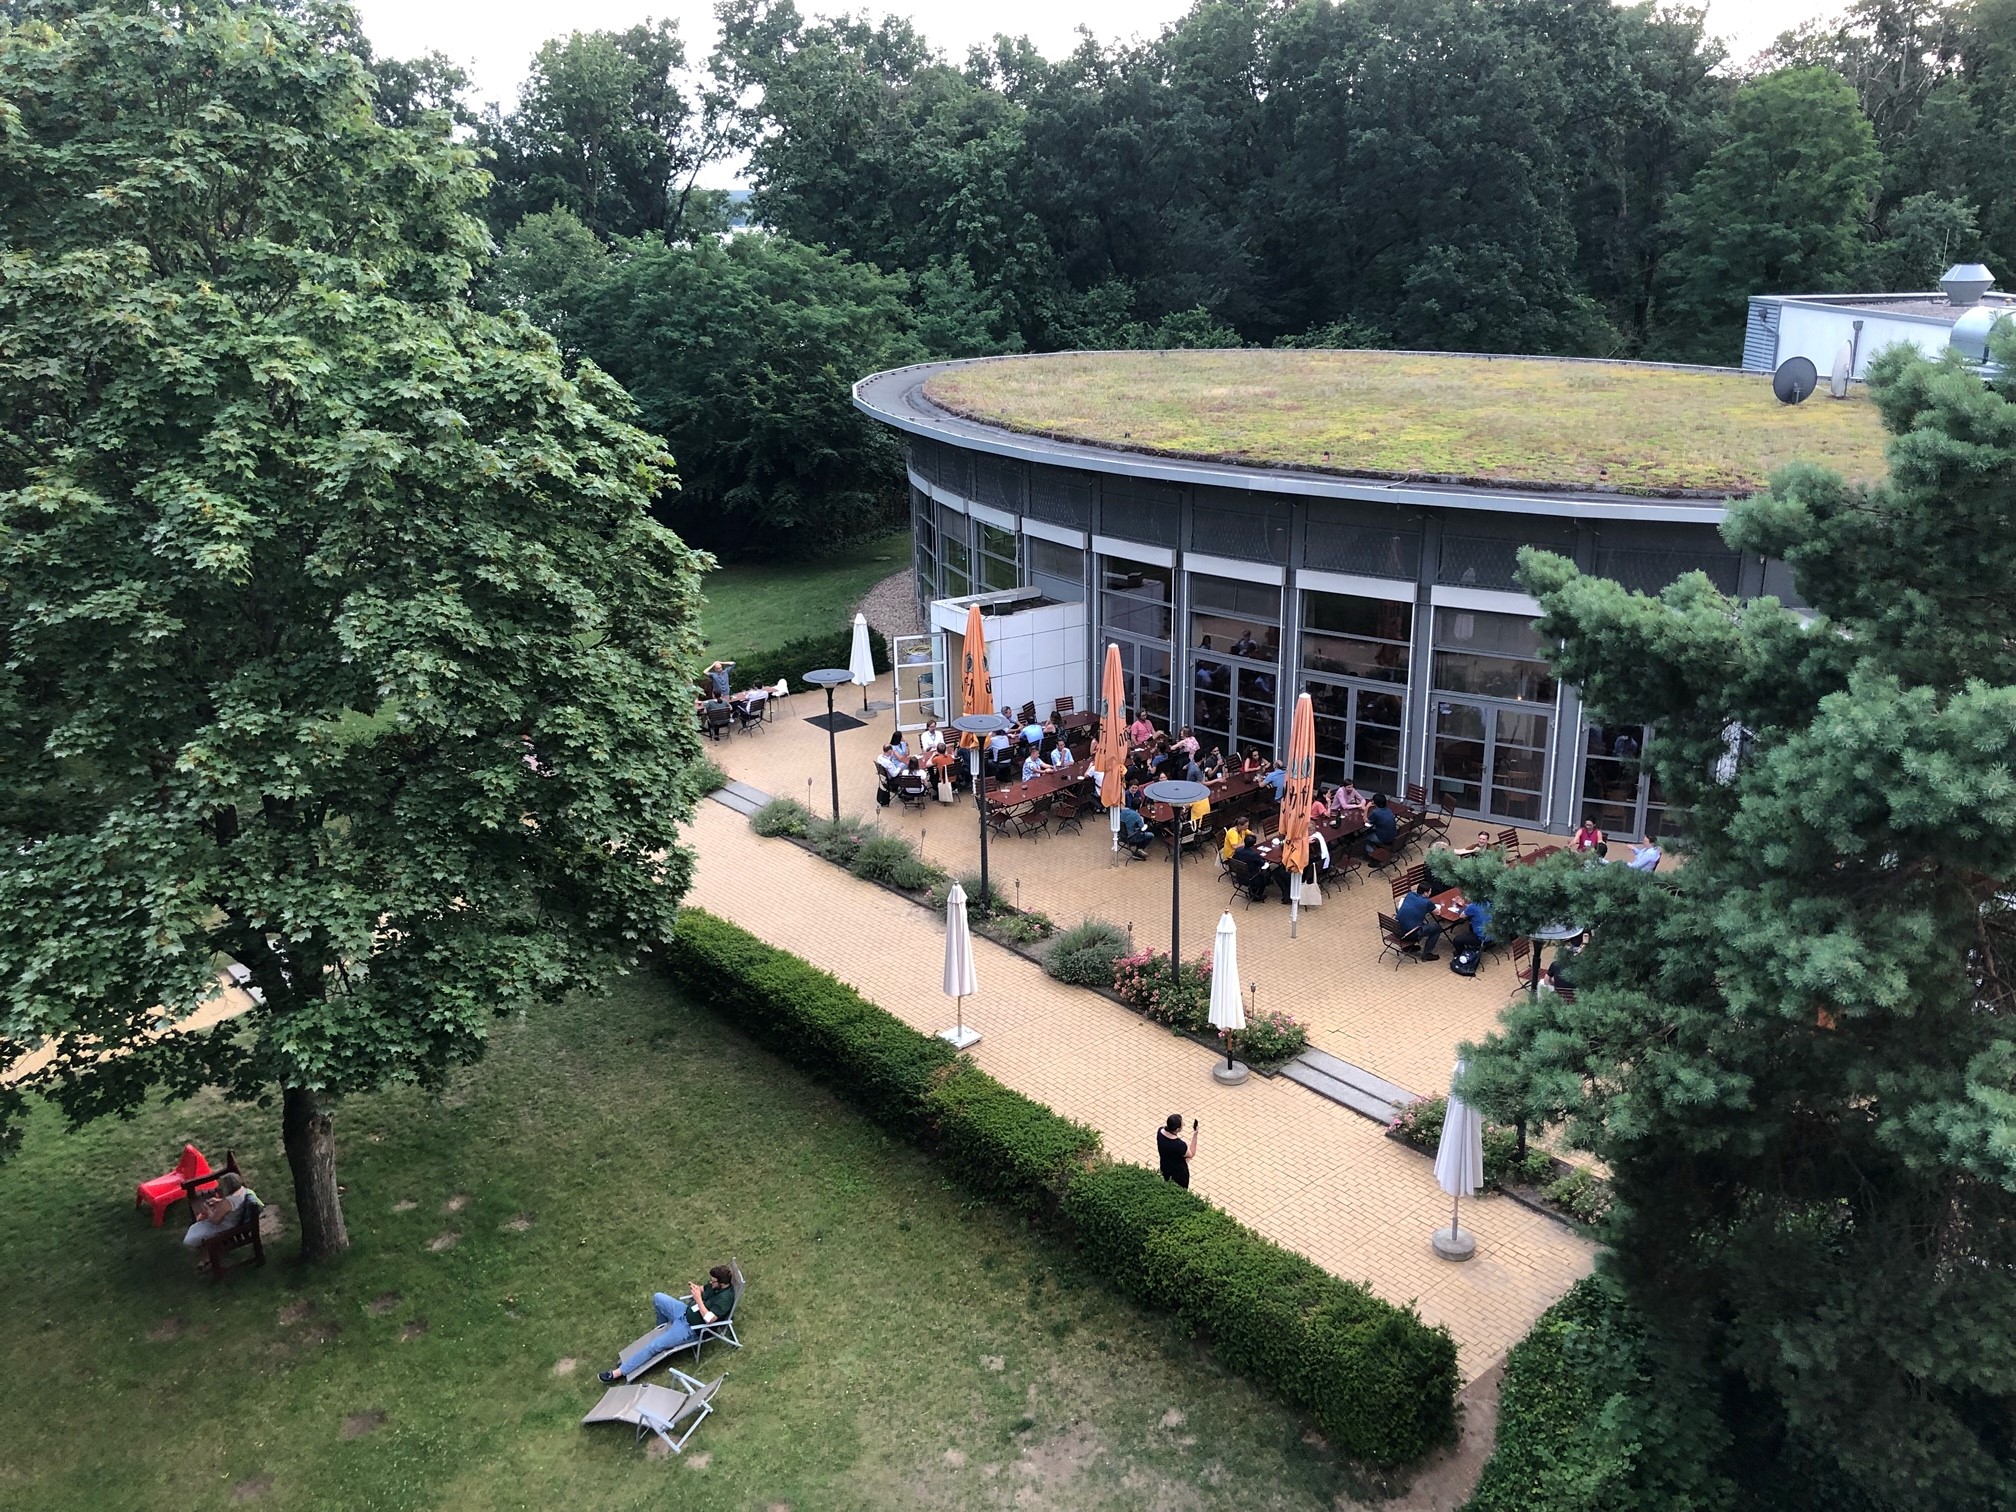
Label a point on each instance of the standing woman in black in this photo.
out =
(1174, 1154)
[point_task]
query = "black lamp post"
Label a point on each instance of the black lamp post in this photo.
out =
(1179, 796)
(830, 678)
(981, 726)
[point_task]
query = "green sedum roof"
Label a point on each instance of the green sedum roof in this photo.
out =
(1543, 422)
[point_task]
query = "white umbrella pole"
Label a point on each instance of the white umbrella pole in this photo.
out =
(1456, 1214)
(1113, 816)
(1294, 904)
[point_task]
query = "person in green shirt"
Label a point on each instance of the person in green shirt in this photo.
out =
(709, 1304)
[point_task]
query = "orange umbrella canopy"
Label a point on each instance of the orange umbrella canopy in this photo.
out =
(976, 687)
(1111, 756)
(1300, 790)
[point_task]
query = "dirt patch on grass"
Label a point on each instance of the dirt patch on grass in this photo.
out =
(444, 1241)
(382, 1304)
(252, 1490)
(404, 1205)
(166, 1331)
(324, 1333)
(518, 1223)
(362, 1424)
(566, 1366)
(456, 1203)
(294, 1312)
(699, 1461)
(416, 1329)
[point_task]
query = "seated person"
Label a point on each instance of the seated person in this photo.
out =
(1588, 837)
(1059, 755)
(1233, 838)
(1474, 933)
(1254, 762)
(1133, 828)
(1032, 765)
(898, 744)
(1561, 971)
(1140, 732)
(709, 1304)
(1276, 780)
(1345, 797)
(1137, 770)
(931, 738)
(912, 779)
(997, 745)
(1417, 921)
(1484, 843)
(1646, 858)
(1213, 764)
(890, 761)
(1033, 733)
(219, 1210)
(1193, 769)
(1381, 828)
(1253, 869)
(1318, 809)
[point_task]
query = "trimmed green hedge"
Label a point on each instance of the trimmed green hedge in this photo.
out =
(794, 659)
(1379, 1381)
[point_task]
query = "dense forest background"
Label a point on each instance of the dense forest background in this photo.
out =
(1558, 176)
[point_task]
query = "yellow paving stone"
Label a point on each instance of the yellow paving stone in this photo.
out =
(1300, 1169)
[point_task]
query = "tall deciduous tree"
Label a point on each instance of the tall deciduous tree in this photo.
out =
(1797, 1055)
(334, 635)
(1779, 208)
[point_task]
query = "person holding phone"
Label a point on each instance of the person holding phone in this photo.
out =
(1173, 1153)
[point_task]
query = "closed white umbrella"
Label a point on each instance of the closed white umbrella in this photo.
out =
(1228, 1009)
(861, 663)
(960, 982)
(1459, 1169)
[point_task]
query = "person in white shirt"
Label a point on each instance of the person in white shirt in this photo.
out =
(932, 738)
(1646, 858)
(891, 761)
(1032, 766)
(1060, 755)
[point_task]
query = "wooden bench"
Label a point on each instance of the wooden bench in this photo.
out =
(244, 1236)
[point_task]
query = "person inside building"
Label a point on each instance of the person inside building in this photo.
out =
(1416, 918)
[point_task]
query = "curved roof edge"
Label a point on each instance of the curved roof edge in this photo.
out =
(896, 398)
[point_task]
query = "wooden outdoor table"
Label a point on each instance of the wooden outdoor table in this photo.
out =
(1015, 794)
(1337, 830)
(1449, 905)
(1230, 793)
(1082, 719)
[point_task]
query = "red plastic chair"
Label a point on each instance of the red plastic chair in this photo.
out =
(165, 1190)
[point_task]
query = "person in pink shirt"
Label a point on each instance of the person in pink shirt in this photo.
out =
(1141, 732)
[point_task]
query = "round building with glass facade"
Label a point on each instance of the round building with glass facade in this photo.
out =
(1246, 526)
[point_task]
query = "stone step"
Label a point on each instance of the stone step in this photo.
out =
(1351, 1086)
(740, 797)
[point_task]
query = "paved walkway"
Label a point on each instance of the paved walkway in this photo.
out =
(1303, 1171)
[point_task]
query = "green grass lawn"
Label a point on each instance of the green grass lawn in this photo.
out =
(1507, 420)
(904, 1347)
(754, 607)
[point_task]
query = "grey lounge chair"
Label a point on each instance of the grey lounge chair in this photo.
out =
(659, 1408)
(722, 1327)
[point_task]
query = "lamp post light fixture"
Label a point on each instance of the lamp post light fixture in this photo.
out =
(830, 678)
(981, 726)
(1179, 796)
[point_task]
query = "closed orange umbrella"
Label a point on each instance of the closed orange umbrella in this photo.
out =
(1110, 755)
(976, 687)
(1296, 796)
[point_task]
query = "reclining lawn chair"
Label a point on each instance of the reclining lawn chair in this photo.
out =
(722, 1327)
(660, 1409)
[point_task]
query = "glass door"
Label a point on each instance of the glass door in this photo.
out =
(1617, 792)
(1492, 759)
(1358, 734)
(920, 679)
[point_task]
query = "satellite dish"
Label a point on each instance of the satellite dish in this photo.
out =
(1844, 365)
(1795, 380)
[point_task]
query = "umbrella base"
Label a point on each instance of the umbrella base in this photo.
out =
(1230, 1076)
(965, 1037)
(1451, 1245)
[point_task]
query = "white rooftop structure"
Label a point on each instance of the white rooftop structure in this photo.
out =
(1820, 327)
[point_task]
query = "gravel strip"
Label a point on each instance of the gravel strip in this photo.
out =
(891, 605)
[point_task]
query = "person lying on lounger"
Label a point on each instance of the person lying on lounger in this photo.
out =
(709, 1304)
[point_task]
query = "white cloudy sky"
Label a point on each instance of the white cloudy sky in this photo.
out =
(494, 39)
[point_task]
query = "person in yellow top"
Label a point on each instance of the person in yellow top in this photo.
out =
(1234, 838)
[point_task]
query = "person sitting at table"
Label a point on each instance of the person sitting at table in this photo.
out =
(997, 744)
(1567, 961)
(1137, 770)
(1381, 828)
(1484, 843)
(1318, 809)
(1032, 765)
(1188, 744)
(1646, 858)
(1276, 780)
(1140, 732)
(1059, 756)
(1213, 763)
(1255, 873)
(898, 744)
(930, 738)
(1588, 837)
(912, 779)
(1474, 932)
(1234, 837)
(890, 761)
(1254, 762)
(1193, 769)
(1033, 733)
(1346, 796)
(1417, 921)
(1133, 828)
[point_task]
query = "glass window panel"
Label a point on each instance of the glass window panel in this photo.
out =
(1515, 727)
(1459, 721)
(1259, 602)
(1491, 634)
(1493, 677)
(1376, 660)
(1517, 767)
(1384, 709)
(1053, 560)
(1369, 619)
(999, 542)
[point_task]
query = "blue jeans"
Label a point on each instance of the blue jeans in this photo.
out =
(674, 1332)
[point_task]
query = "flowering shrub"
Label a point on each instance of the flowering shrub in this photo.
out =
(1148, 984)
(1268, 1039)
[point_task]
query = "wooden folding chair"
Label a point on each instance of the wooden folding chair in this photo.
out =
(1391, 942)
(1508, 842)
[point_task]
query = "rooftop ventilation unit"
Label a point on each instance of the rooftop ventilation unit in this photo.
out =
(1965, 283)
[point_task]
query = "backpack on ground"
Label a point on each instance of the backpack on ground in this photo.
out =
(1464, 962)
